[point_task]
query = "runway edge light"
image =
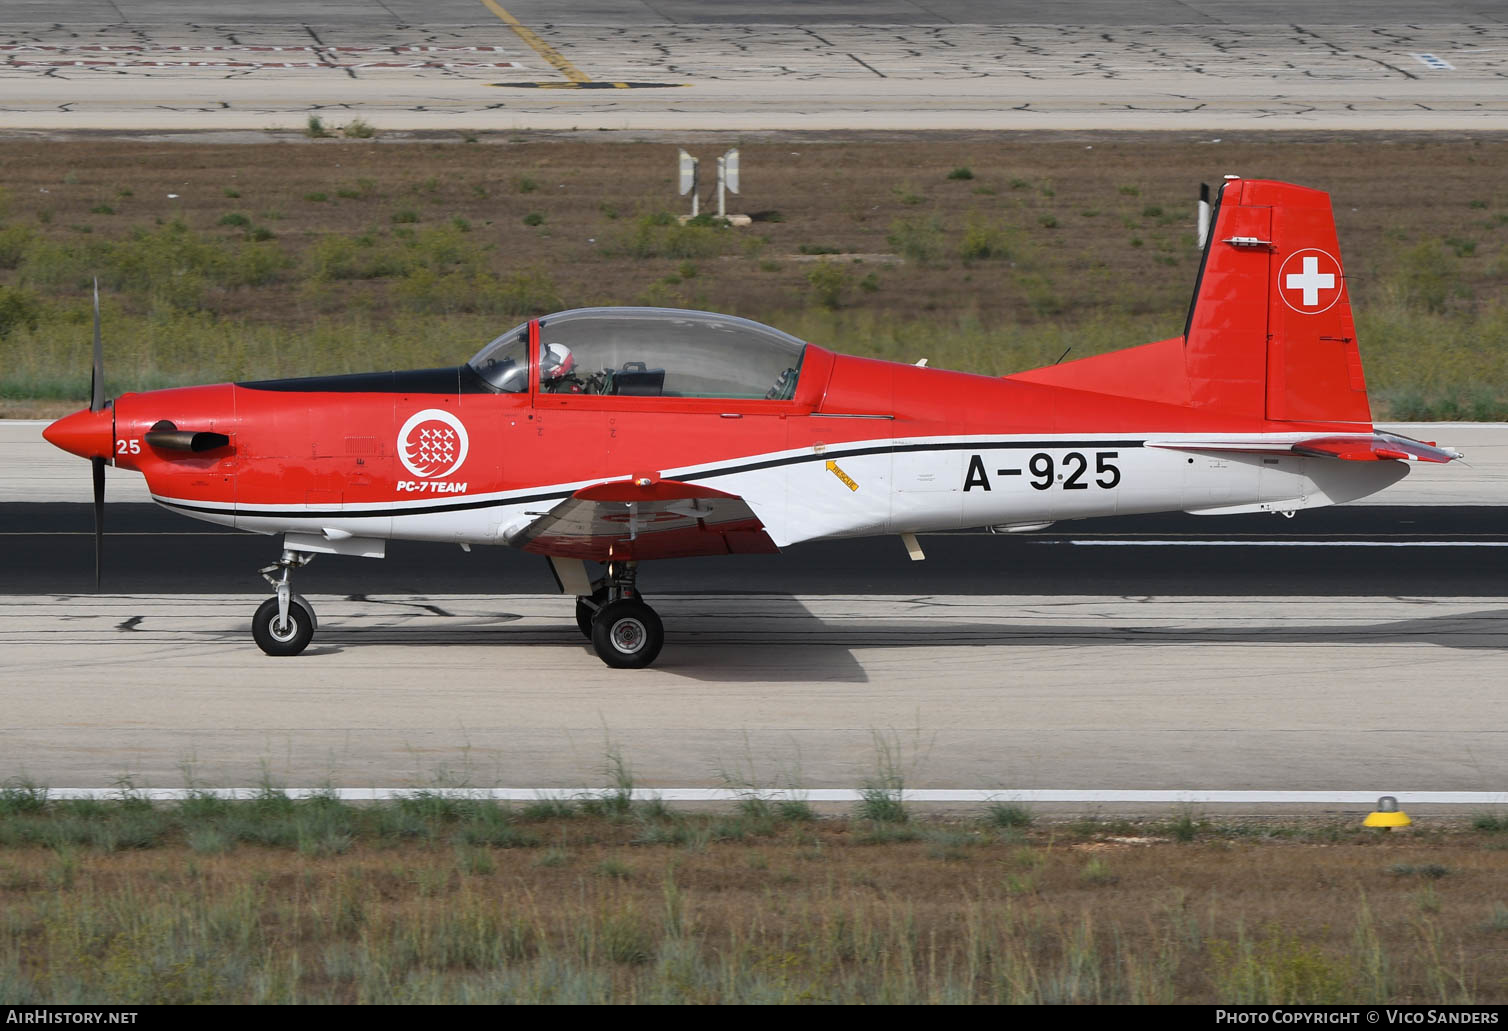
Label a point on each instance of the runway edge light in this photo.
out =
(1388, 815)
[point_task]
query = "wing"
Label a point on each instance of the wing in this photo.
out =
(644, 518)
(1350, 447)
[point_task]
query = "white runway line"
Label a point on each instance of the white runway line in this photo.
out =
(1112, 795)
(1290, 544)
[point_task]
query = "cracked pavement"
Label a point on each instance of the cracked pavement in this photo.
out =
(1218, 693)
(756, 76)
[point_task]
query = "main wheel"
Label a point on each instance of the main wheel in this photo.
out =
(627, 634)
(585, 612)
(286, 639)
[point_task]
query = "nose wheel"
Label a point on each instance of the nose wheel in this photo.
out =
(285, 623)
(283, 635)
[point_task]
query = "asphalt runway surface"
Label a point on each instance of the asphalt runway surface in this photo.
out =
(1354, 649)
(1386, 696)
(775, 65)
(1346, 551)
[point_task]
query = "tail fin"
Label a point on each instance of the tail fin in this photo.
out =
(1269, 334)
(1270, 331)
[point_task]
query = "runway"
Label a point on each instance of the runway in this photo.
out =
(1388, 551)
(1031, 692)
(642, 65)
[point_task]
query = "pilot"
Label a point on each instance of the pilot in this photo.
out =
(557, 366)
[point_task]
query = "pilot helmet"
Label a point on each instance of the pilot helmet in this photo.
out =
(555, 361)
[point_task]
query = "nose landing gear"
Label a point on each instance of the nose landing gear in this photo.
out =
(624, 631)
(285, 623)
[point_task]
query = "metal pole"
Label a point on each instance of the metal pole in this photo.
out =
(722, 187)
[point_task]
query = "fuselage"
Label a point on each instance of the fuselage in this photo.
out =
(863, 447)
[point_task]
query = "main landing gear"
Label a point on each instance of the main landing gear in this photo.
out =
(625, 632)
(284, 624)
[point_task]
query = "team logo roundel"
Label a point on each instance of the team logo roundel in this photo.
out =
(432, 444)
(1310, 281)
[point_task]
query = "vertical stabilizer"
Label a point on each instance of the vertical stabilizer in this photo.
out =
(1270, 332)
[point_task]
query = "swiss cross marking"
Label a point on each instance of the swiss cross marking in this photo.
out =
(1310, 281)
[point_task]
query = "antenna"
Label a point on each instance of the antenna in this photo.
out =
(688, 178)
(727, 179)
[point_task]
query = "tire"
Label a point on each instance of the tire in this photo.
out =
(585, 612)
(627, 634)
(289, 640)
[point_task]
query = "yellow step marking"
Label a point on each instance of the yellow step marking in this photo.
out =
(832, 467)
(543, 49)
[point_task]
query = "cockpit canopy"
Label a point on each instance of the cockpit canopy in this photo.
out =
(647, 352)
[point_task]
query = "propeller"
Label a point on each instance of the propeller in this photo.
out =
(96, 403)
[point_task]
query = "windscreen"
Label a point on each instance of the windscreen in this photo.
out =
(504, 363)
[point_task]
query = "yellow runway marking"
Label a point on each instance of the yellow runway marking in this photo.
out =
(832, 467)
(543, 49)
(589, 85)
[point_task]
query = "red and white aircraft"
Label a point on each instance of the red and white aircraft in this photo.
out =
(620, 435)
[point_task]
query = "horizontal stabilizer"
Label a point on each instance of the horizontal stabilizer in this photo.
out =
(1350, 447)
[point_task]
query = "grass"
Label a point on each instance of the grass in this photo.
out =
(1005, 814)
(992, 278)
(433, 899)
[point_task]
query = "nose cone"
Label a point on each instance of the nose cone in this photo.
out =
(84, 433)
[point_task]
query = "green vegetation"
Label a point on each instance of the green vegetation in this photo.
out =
(1004, 814)
(922, 240)
(448, 896)
(983, 240)
(977, 281)
(661, 235)
(828, 281)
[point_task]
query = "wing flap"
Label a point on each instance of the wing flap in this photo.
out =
(642, 517)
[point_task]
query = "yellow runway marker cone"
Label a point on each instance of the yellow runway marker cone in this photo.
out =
(1388, 815)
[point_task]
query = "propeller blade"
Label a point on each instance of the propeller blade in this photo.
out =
(99, 516)
(97, 380)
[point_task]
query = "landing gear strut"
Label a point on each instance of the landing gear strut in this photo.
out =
(284, 624)
(625, 632)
